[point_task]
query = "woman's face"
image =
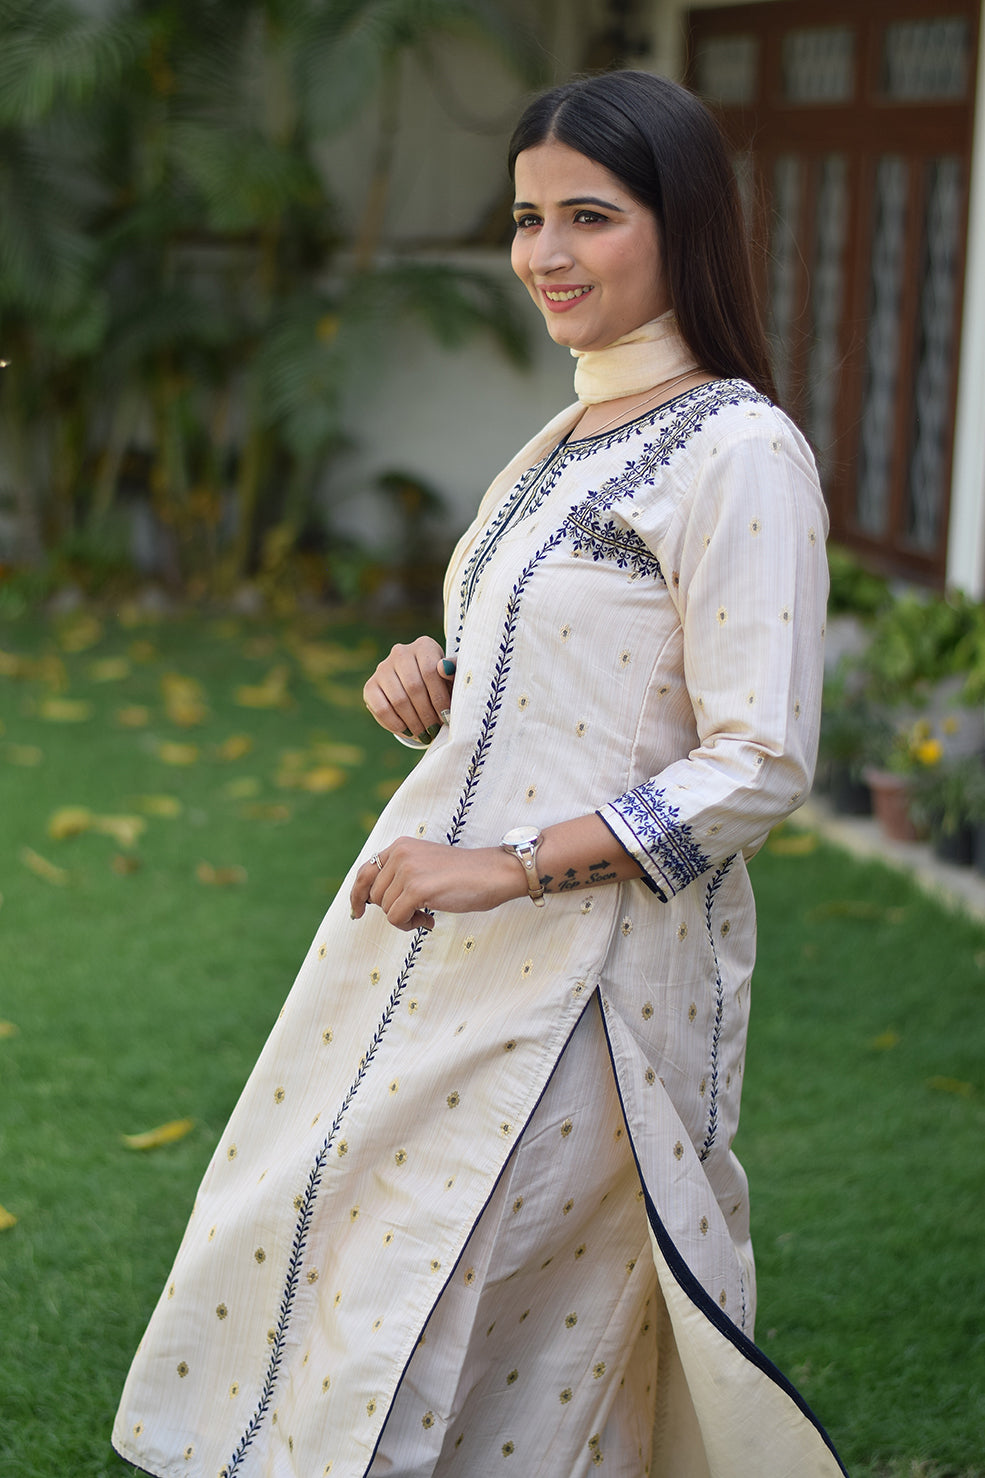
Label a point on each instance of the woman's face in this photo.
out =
(587, 251)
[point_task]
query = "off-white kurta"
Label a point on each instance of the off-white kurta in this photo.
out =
(519, 1125)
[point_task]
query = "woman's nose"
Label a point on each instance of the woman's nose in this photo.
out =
(550, 251)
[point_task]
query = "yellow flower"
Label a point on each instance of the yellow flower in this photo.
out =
(928, 751)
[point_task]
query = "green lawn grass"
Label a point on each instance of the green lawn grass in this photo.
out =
(142, 981)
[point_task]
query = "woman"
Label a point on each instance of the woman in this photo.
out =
(477, 1210)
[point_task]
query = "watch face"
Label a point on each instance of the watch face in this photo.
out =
(521, 836)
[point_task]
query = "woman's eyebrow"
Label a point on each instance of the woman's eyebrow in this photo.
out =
(578, 200)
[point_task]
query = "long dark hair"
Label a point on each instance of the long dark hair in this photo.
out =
(663, 145)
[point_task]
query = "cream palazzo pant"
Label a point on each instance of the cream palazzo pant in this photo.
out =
(540, 1357)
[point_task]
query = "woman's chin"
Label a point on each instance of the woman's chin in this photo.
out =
(579, 339)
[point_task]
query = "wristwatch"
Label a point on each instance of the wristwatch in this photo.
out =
(523, 842)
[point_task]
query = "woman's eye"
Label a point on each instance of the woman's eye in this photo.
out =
(589, 217)
(523, 223)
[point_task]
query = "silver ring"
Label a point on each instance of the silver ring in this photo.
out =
(376, 858)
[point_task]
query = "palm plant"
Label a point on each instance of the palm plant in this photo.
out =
(175, 298)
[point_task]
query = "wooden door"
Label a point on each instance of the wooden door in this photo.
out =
(851, 126)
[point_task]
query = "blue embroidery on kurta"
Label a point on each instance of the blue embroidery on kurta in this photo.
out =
(610, 541)
(306, 1210)
(675, 424)
(716, 1031)
(306, 1213)
(527, 494)
(662, 835)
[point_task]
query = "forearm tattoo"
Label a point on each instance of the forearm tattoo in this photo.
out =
(586, 877)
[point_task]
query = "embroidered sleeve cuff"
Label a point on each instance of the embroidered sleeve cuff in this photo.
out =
(651, 831)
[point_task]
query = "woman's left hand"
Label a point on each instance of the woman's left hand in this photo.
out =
(413, 880)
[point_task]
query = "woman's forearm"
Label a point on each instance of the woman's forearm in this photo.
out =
(582, 854)
(412, 880)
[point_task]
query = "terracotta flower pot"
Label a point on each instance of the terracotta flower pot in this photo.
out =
(891, 804)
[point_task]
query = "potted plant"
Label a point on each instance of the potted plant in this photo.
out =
(854, 732)
(913, 749)
(950, 799)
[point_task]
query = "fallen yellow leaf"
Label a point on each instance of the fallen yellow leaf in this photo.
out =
(340, 697)
(186, 715)
(124, 865)
(798, 844)
(293, 759)
(136, 716)
(184, 699)
(387, 788)
(177, 754)
(235, 747)
(48, 669)
(219, 877)
(952, 1085)
(51, 670)
(323, 659)
(886, 1041)
(267, 811)
(7, 1029)
(125, 830)
(65, 710)
(69, 821)
(81, 633)
(7, 1219)
(42, 868)
(163, 1134)
(109, 669)
(25, 755)
(270, 693)
(323, 778)
(158, 805)
(243, 788)
(855, 908)
(142, 651)
(331, 753)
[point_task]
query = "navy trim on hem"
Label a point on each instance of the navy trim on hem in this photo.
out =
(699, 1295)
(644, 876)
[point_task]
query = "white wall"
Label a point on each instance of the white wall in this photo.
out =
(966, 532)
(451, 418)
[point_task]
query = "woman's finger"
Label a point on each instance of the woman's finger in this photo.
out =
(362, 887)
(410, 691)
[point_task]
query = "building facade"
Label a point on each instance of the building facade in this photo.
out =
(861, 158)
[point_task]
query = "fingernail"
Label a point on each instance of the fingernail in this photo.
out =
(352, 913)
(448, 666)
(446, 715)
(434, 729)
(425, 738)
(408, 734)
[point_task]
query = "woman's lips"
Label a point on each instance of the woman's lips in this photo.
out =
(560, 297)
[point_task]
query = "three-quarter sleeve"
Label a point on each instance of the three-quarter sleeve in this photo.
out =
(745, 564)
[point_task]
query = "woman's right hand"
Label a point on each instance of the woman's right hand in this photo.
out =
(410, 691)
